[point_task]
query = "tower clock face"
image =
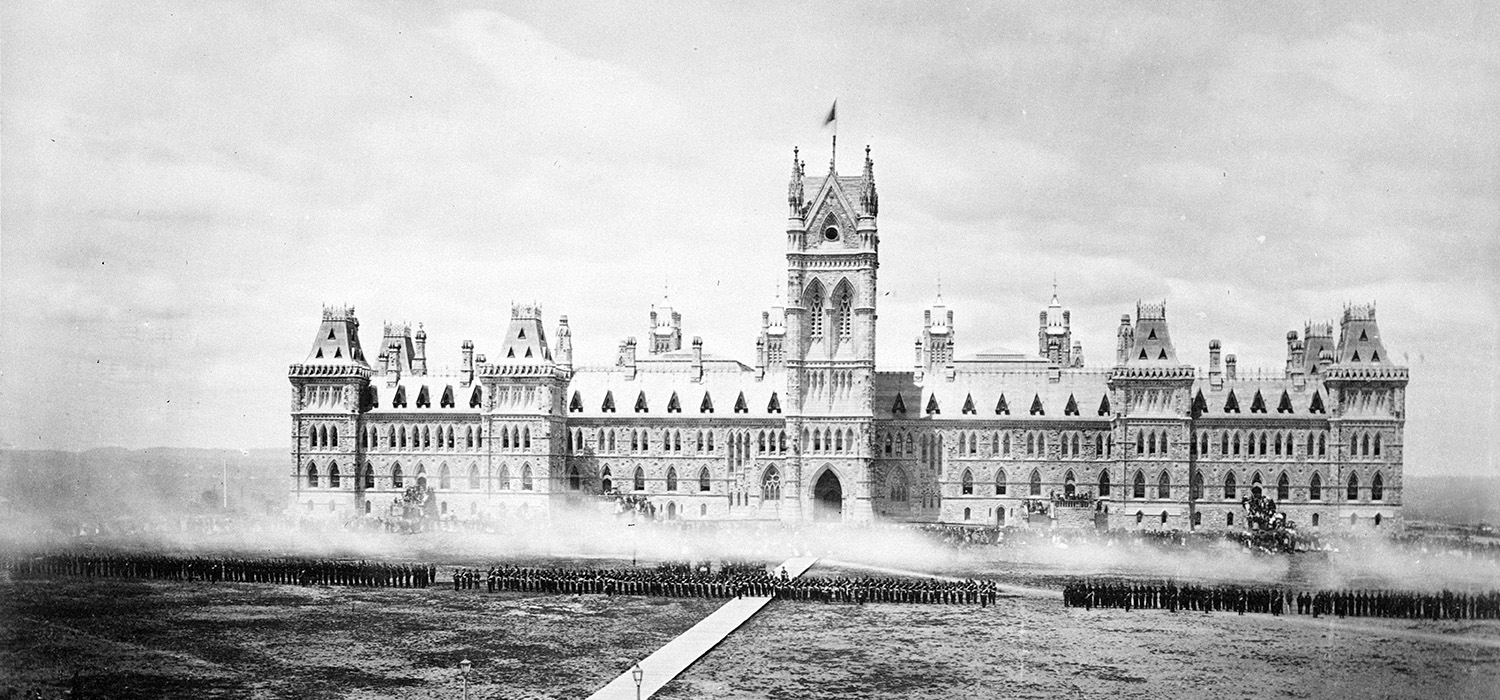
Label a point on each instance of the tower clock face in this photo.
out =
(831, 233)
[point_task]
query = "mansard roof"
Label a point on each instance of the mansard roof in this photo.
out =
(1021, 388)
(724, 381)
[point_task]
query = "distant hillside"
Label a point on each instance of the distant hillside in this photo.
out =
(110, 482)
(1457, 500)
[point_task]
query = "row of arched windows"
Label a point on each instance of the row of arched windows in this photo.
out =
(834, 440)
(1150, 442)
(423, 437)
(473, 481)
(1072, 444)
(842, 303)
(321, 436)
(704, 483)
(1262, 443)
(1364, 445)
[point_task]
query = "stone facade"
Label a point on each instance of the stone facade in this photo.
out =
(813, 431)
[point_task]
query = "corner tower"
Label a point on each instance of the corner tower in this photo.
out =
(832, 259)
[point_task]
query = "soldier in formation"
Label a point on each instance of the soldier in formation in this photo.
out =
(306, 572)
(1170, 595)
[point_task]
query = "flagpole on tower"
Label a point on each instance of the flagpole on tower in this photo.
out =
(833, 118)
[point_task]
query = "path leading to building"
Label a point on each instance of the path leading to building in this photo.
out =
(675, 656)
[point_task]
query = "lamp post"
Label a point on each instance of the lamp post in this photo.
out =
(463, 667)
(637, 673)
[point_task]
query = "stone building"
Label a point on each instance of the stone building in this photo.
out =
(810, 429)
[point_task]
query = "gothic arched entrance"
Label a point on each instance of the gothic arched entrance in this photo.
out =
(828, 497)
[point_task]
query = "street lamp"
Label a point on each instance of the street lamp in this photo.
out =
(463, 667)
(636, 673)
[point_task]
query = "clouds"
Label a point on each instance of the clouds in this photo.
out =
(184, 186)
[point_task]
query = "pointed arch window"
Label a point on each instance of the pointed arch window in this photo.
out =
(369, 476)
(1353, 490)
(474, 482)
(1231, 488)
(844, 308)
(813, 300)
(1283, 488)
(312, 475)
(1323, 445)
(333, 475)
(1164, 486)
(502, 480)
(896, 489)
(673, 406)
(606, 483)
(704, 483)
(1104, 483)
(526, 483)
(1377, 444)
(1315, 488)
(967, 483)
(1036, 482)
(1000, 484)
(671, 478)
(397, 478)
(639, 481)
(770, 485)
(1195, 486)
(1377, 487)
(575, 478)
(445, 478)
(1138, 489)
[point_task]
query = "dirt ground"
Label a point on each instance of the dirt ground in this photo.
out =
(159, 639)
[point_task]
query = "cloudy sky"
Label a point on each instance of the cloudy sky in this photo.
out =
(185, 185)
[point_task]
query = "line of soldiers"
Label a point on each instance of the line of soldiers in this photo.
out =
(734, 583)
(305, 572)
(1170, 595)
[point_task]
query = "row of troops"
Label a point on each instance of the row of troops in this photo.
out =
(306, 572)
(1169, 595)
(735, 583)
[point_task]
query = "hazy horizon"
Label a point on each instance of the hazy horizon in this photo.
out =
(185, 185)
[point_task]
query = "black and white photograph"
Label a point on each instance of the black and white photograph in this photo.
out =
(751, 351)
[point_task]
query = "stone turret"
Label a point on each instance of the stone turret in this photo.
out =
(564, 355)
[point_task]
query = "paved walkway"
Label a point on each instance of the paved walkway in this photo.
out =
(675, 656)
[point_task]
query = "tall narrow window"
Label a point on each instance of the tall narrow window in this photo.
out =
(704, 484)
(445, 478)
(396, 477)
(770, 485)
(474, 482)
(1164, 486)
(1000, 483)
(1036, 482)
(526, 483)
(369, 476)
(844, 300)
(1377, 488)
(312, 475)
(813, 300)
(1283, 488)
(1138, 488)
(1231, 489)
(671, 478)
(968, 483)
(640, 479)
(1353, 494)
(1315, 488)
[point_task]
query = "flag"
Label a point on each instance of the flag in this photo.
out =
(833, 114)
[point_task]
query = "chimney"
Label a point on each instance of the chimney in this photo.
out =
(419, 357)
(948, 370)
(697, 370)
(393, 363)
(468, 370)
(1215, 375)
(1229, 372)
(627, 357)
(760, 357)
(921, 366)
(1123, 340)
(564, 344)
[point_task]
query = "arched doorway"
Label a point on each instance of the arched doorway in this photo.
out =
(828, 497)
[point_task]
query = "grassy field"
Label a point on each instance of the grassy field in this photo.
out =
(140, 639)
